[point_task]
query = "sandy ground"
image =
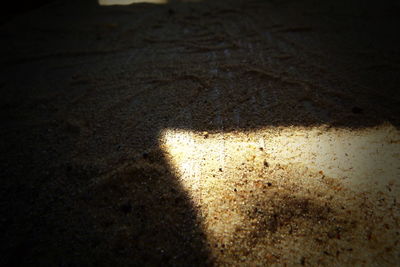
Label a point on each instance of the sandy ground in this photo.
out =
(201, 133)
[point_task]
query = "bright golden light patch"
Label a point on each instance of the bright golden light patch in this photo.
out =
(360, 157)
(262, 192)
(129, 2)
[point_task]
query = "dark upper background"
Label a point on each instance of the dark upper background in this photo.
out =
(15, 8)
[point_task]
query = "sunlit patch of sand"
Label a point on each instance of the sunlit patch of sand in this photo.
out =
(293, 194)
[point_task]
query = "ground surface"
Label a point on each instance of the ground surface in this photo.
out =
(201, 133)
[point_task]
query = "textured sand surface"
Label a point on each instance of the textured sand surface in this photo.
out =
(201, 133)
